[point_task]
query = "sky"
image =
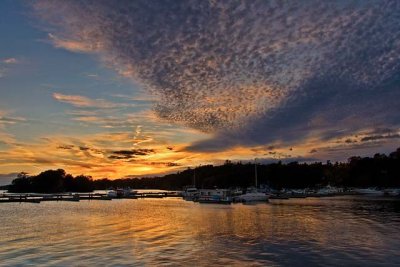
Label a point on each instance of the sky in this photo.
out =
(140, 88)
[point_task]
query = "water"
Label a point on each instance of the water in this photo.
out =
(151, 232)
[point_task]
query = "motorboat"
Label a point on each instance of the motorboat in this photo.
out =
(190, 193)
(120, 193)
(217, 196)
(112, 193)
(329, 190)
(393, 192)
(369, 191)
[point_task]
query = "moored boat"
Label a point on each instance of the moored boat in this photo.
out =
(252, 197)
(112, 193)
(369, 191)
(217, 196)
(252, 194)
(190, 193)
(120, 192)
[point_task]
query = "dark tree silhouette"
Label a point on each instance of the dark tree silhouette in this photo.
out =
(51, 181)
(380, 171)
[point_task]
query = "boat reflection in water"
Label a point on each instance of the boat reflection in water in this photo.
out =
(332, 231)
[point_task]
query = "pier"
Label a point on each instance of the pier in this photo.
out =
(76, 197)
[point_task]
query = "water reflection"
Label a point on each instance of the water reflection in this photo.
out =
(336, 231)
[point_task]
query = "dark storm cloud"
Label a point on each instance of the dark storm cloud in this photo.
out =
(250, 72)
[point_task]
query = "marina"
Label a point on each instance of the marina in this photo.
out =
(190, 193)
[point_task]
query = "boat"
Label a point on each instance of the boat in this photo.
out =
(328, 191)
(369, 191)
(252, 194)
(216, 196)
(190, 193)
(392, 192)
(112, 193)
(120, 193)
(237, 192)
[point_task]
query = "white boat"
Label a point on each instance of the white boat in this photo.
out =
(369, 191)
(112, 193)
(236, 192)
(120, 192)
(329, 190)
(393, 192)
(252, 194)
(218, 196)
(190, 193)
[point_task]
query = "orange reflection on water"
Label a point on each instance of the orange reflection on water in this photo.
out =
(159, 231)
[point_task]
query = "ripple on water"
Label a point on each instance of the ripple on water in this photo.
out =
(328, 232)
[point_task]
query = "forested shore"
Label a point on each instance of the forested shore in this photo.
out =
(380, 170)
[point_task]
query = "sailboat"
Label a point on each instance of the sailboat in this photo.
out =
(190, 192)
(252, 194)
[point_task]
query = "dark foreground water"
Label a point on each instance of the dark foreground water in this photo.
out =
(152, 232)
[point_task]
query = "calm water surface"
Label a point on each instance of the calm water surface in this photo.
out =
(149, 232)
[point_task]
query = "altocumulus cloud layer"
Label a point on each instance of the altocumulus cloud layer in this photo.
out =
(249, 72)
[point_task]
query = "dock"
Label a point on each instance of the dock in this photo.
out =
(76, 197)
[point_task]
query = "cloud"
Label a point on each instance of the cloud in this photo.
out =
(11, 120)
(247, 72)
(128, 154)
(380, 137)
(67, 147)
(6, 119)
(72, 45)
(85, 102)
(10, 60)
(5, 65)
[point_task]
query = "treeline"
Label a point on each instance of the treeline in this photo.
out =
(51, 181)
(378, 171)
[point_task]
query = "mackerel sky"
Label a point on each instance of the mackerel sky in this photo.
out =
(135, 88)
